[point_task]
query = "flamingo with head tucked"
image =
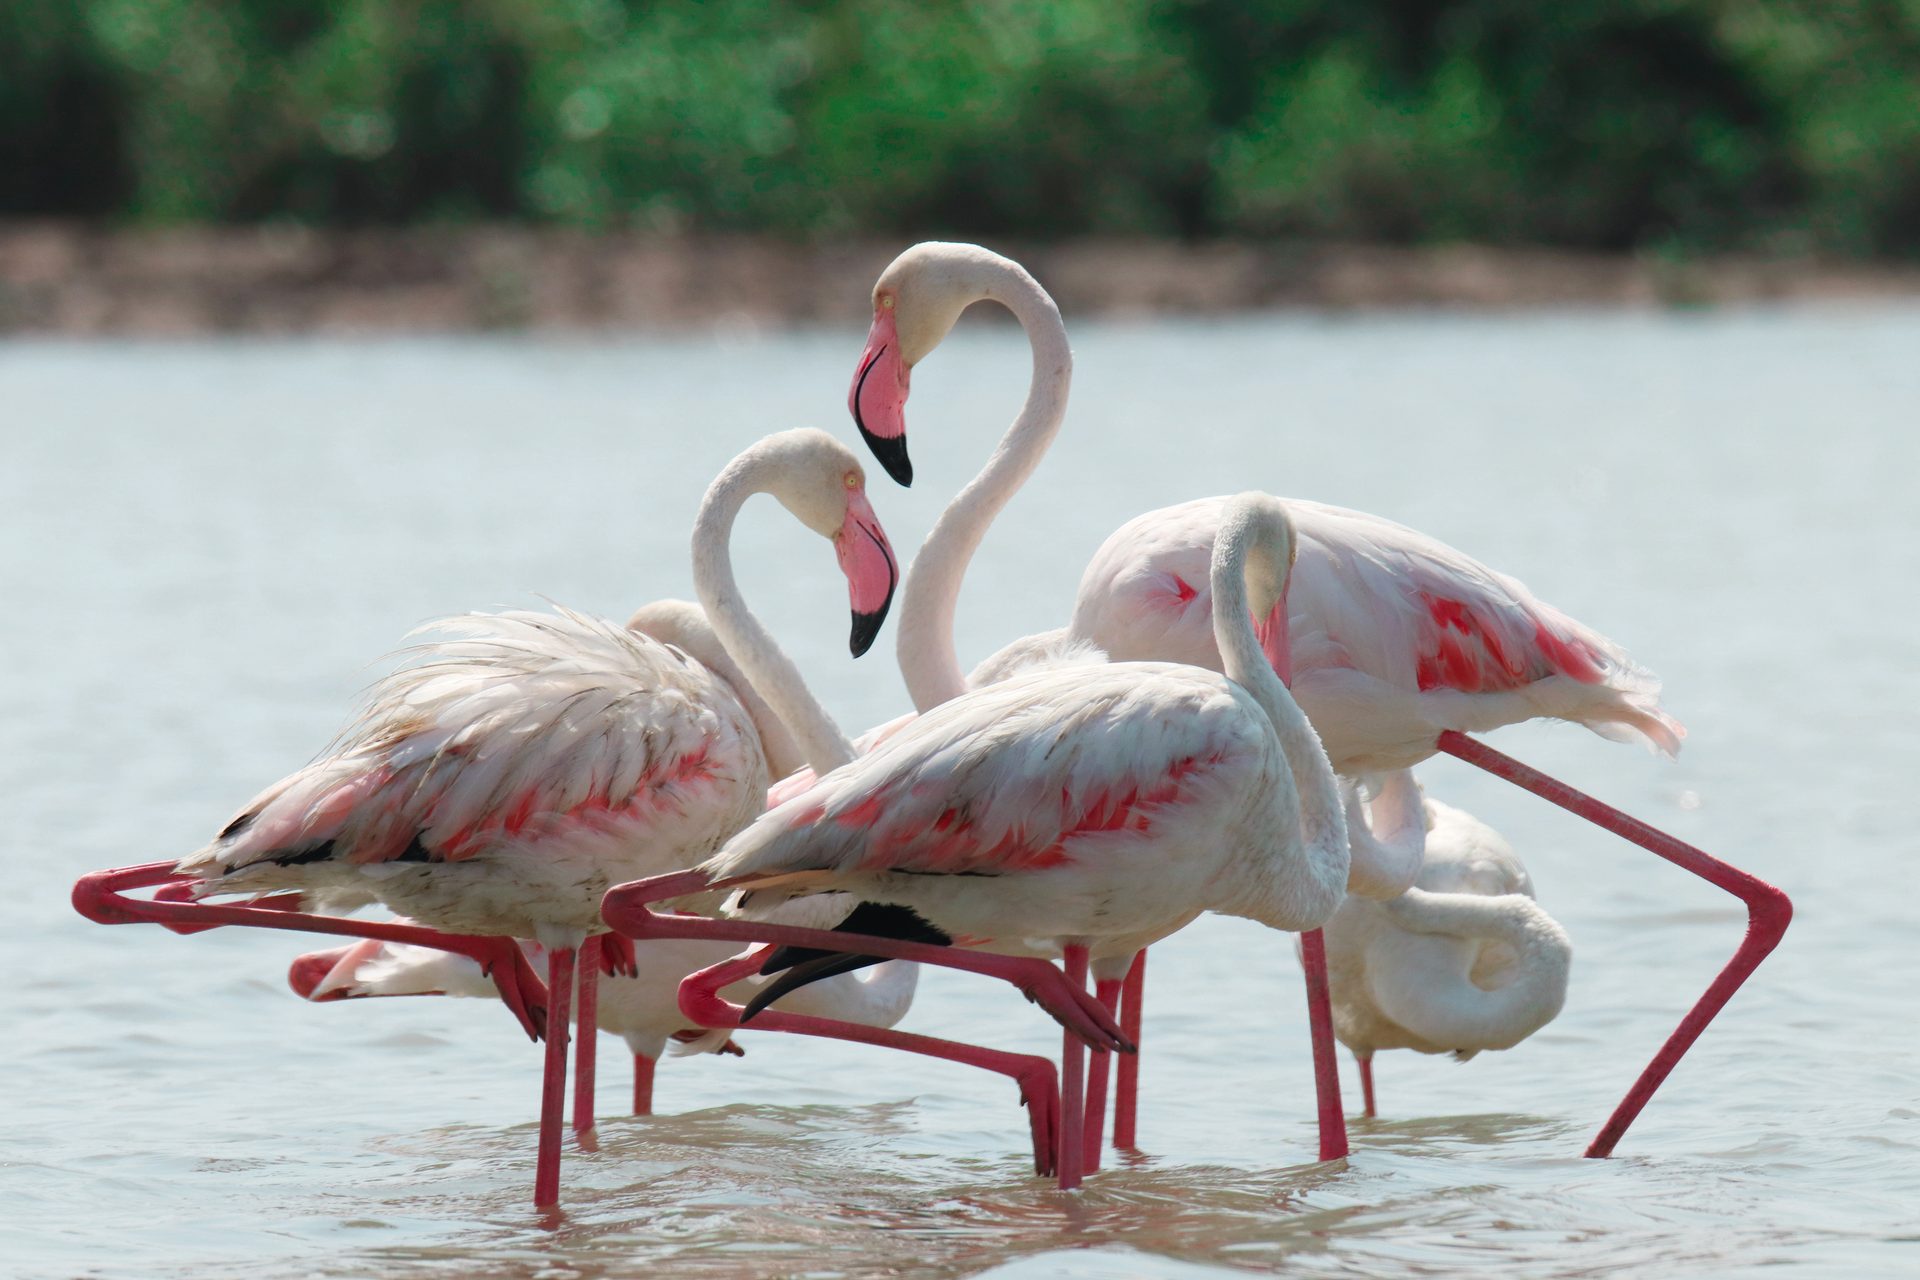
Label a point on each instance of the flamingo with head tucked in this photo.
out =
(504, 780)
(1464, 962)
(1399, 644)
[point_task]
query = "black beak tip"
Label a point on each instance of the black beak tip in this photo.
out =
(892, 455)
(865, 627)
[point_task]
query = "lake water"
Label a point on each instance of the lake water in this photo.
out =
(208, 546)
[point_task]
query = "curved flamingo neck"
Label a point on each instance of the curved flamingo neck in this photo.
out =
(1447, 1007)
(765, 664)
(931, 595)
(1260, 522)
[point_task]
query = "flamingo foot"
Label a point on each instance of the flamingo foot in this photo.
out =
(616, 956)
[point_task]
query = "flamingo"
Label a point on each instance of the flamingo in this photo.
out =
(641, 1007)
(1400, 645)
(528, 761)
(1463, 962)
(1082, 811)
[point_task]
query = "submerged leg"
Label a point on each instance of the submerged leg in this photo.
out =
(1326, 1066)
(1107, 991)
(1073, 1066)
(1768, 913)
(588, 1020)
(1126, 1090)
(553, 1083)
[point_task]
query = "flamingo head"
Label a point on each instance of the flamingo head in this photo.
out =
(915, 304)
(826, 489)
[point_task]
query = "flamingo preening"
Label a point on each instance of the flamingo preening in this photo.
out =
(499, 784)
(1399, 645)
(1463, 962)
(1081, 810)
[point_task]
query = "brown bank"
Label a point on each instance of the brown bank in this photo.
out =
(61, 279)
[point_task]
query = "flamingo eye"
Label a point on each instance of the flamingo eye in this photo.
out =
(886, 300)
(851, 479)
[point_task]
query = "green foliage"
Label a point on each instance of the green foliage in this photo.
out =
(1678, 124)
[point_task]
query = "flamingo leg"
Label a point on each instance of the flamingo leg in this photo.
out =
(1768, 913)
(1107, 991)
(1366, 1081)
(1073, 1082)
(553, 1083)
(1326, 1066)
(588, 1020)
(642, 1085)
(1126, 1092)
(101, 897)
(625, 909)
(1039, 1085)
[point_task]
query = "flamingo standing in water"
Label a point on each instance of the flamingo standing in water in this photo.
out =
(1082, 811)
(1463, 962)
(1399, 644)
(500, 784)
(643, 1007)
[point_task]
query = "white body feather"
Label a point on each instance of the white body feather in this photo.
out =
(1466, 961)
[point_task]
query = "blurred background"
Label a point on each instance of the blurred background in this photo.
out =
(453, 157)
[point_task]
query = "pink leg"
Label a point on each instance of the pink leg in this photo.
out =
(625, 908)
(1326, 1067)
(1366, 1081)
(100, 897)
(553, 1084)
(642, 1085)
(1126, 1097)
(588, 1020)
(1039, 1084)
(1073, 1066)
(1107, 991)
(1768, 913)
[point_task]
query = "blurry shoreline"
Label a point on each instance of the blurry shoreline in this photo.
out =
(71, 280)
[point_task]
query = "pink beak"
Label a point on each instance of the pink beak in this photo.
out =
(872, 572)
(878, 398)
(1274, 642)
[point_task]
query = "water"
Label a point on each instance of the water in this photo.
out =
(207, 546)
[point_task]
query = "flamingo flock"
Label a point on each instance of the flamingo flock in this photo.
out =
(656, 830)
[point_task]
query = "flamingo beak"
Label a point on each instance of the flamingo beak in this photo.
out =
(878, 398)
(872, 572)
(328, 975)
(1274, 642)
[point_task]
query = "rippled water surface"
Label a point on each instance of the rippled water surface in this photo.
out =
(207, 547)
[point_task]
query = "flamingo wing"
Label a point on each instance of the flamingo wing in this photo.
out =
(1016, 777)
(513, 725)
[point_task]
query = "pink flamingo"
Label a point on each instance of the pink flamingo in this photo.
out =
(1082, 810)
(503, 782)
(1399, 645)
(1463, 962)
